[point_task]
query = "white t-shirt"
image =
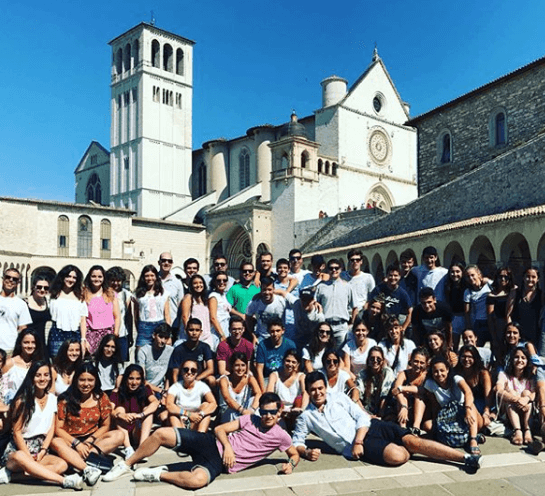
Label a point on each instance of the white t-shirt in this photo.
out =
(189, 399)
(477, 301)
(316, 361)
(151, 308)
(41, 420)
(224, 307)
(434, 279)
(444, 396)
(265, 312)
(104, 374)
(362, 285)
(358, 359)
(13, 313)
(404, 354)
(67, 313)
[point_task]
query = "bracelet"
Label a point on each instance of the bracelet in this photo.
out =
(202, 414)
(84, 340)
(291, 461)
(404, 406)
(358, 442)
(467, 406)
(182, 412)
(75, 442)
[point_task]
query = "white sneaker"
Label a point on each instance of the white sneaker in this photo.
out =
(73, 481)
(128, 452)
(150, 474)
(117, 472)
(91, 475)
(5, 475)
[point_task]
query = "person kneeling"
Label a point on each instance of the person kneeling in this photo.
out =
(349, 430)
(252, 439)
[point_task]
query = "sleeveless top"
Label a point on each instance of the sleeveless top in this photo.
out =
(201, 312)
(287, 394)
(60, 385)
(39, 319)
(242, 398)
(526, 314)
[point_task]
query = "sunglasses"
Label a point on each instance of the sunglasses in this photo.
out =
(219, 264)
(248, 271)
(335, 268)
(323, 331)
(503, 277)
(355, 260)
(11, 278)
(188, 370)
(375, 359)
(222, 281)
(265, 411)
(166, 260)
(296, 257)
(332, 362)
(42, 288)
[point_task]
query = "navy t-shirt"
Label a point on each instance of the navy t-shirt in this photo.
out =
(272, 357)
(397, 301)
(201, 354)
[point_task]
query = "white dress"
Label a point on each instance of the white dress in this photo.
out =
(287, 394)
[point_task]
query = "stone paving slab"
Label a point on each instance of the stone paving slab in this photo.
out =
(533, 485)
(483, 488)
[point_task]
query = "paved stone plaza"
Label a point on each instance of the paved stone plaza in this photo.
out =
(507, 470)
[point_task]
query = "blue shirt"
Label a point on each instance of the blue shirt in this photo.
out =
(336, 424)
(272, 357)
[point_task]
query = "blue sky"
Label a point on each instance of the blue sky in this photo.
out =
(253, 63)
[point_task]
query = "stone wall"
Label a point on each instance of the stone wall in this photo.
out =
(509, 182)
(470, 122)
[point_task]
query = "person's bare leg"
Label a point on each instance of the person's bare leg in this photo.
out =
(23, 462)
(203, 424)
(514, 419)
(175, 421)
(419, 409)
(68, 454)
(110, 441)
(187, 480)
(55, 464)
(395, 455)
(431, 449)
(146, 429)
(165, 436)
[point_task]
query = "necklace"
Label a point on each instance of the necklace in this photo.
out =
(42, 401)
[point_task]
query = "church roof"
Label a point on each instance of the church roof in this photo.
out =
(479, 89)
(82, 160)
(152, 27)
(293, 128)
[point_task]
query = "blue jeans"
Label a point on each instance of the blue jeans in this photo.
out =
(145, 332)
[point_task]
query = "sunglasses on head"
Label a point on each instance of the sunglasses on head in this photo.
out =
(265, 411)
(189, 370)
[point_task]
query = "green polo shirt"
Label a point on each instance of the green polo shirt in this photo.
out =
(240, 296)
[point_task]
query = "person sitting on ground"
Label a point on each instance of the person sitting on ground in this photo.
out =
(135, 405)
(239, 391)
(437, 346)
(33, 411)
(83, 423)
(469, 338)
(357, 348)
(350, 431)
(236, 446)
(190, 401)
(406, 386)
(337, 379)
(270, 352)
(193, 349)
(109, 363)
(374, 382)
(516, 388)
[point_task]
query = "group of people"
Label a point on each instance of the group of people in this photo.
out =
(228, 371)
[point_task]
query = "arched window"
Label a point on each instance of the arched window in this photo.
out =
(105, 238)
(446, 154)
(327, 167)
(244, 169)
(155, 53)
(85, 237)
(119, 61)
(304, 159)
(135, 53)
(180, 62)
(127, 58)
(320, 166)
(63, 231)
(167, 57)
(499, 129)
(93, 192)
(334, 169)
(201, 187)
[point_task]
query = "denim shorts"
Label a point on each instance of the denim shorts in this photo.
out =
(145, 332)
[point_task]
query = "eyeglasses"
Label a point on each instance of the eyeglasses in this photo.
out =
(219, 264)
(42, 288)
(353, 260)
(375, 359)
(188, 370)
(265, 411)
(323, 331)
(12, 278)
(248, 271)
(332, 362)
(336, 267)
(166, 260)
(503, 277)
(296, 257)
(221, 281)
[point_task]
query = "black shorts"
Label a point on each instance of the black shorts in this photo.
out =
(380, 435)
(202, 448)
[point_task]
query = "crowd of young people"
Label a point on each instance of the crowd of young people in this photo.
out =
(227, 371)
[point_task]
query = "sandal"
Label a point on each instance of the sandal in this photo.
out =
(473, 450)
(481, 438)
(515, 438)
(528, 439)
